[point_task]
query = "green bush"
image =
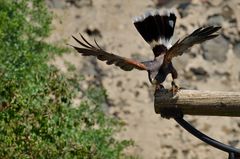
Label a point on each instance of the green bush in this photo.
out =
(37, 116)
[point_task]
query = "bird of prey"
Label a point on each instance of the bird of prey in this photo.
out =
(157, 29)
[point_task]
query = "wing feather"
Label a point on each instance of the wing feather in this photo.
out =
(88, 49)
(198, 36)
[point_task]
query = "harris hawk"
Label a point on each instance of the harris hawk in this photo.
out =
(157, 29)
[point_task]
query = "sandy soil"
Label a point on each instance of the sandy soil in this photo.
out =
(210, 66)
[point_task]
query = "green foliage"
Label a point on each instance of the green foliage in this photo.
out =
(37, 116)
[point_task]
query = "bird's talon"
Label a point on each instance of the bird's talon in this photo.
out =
(174, 88)
(158, 87)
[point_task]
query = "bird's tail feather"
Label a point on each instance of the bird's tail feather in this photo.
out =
(156, 28)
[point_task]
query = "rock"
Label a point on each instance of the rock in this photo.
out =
(232, 33)
(222, 75)
(236, 49)
(215, 49)
(215, 2)
(233, 142)
(93, 32)
(56, 3)
(227, 12)
(182, 9)
(170, 3)
(215, 20)
(199, 73)
(80, 3)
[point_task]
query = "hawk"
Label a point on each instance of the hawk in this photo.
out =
(157, 29)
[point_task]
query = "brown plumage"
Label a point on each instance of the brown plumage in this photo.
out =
(198, 36)
(157, 29)
(124, 63)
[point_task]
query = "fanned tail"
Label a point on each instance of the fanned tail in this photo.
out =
(156, 29)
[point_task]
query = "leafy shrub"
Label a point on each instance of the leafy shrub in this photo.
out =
(37, 116)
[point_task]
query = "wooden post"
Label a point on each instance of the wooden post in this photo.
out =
(195, 102)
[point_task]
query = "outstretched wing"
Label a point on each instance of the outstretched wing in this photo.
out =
(198, 36)
(125, 64)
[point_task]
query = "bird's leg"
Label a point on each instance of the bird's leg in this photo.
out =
(174, 88)
(158, 87)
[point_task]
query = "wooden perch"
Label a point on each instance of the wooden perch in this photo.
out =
(195, 102)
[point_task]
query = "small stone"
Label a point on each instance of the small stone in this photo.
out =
(233, 142)
(77, 16)
(119, 84)
(236, 49)
(80, 3)
(215, 49)
(199, 72)
(227, 12)
(182, 9)
(56, 3)
(215, 20)
(215, 2)
(116, 114)
(127, 112)
(136, 93)
(222, 75)
(93, 32)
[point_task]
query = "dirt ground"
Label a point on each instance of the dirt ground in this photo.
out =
(213, 65)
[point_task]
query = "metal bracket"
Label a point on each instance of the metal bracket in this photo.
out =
(233, 152)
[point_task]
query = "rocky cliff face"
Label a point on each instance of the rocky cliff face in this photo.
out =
(214, 65)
